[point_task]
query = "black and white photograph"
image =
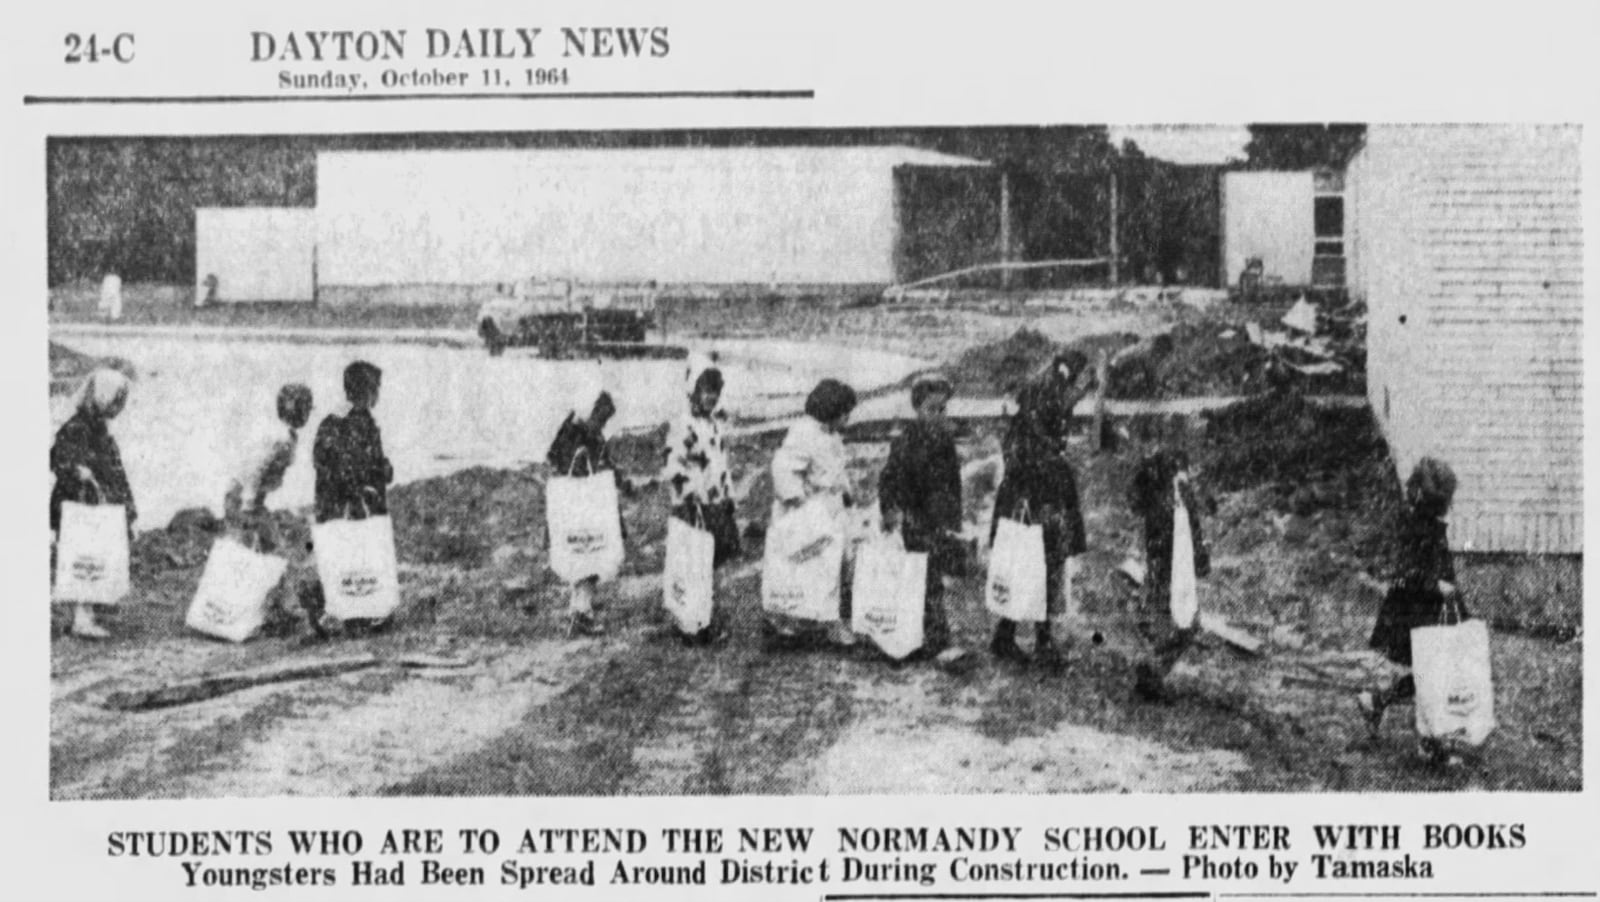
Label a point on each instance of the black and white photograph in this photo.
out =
(1041, 459)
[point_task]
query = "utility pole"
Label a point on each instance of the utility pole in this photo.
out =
(1115, 251)
(1005, 228)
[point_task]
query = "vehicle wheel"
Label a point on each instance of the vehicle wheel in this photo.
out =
(492, 338)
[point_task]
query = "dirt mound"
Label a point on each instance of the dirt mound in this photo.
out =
(68, 366)
(999, 368)
(1281, 438)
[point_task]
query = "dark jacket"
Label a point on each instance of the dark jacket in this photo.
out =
(1423, 560)
(353, 474)
(1150, 498)
(84, 440)
(1039, 479)
(922, 481)
(579, 449)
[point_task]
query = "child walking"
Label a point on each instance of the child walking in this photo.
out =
(580, 449)
(812, 464)
(268, 456)
(698, 483)
(352, 473)
(919, 493)
(1161, 480)
(1041, 484)
(1423, 589)
(88, 468)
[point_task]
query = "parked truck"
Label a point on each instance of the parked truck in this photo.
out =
(562, 317)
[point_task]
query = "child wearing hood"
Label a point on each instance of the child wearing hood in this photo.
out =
(88, 468)
(812, 464)
(1161, 478)
(699, 486)
(580, 449)
(1423, 590)
(1041, 484)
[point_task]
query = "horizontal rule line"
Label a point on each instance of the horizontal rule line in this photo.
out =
(787, 94)
(1522, 895)
(912, 897)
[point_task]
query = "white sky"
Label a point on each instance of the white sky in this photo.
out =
(1186, 143)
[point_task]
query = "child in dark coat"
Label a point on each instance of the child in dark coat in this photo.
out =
(1041, 484)
(1423, 592)
(919, 493)
(352, 473)
(580, 449)
(1161, 478)
(88, 467)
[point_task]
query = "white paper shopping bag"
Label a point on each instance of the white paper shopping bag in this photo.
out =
(231, 602)
(888, 595)
(357, 567)
(581, 513)
(92, 554)
(1185, 594)
(1016, 584)
(802, 567)
(687, 582)
(1455, 686)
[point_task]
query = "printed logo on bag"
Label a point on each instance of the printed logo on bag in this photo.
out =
(586, 541)
(88, 569)
(680, 592)
(219, 614)
(1000, 592)
(359, 584)
(786, 599)
(812, 551)
(1461, 701)
(882, 620)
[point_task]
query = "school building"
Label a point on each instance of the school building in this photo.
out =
(1467, 244)
(441, 225)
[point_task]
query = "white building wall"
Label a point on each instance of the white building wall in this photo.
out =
(256, 253)
(1269, 215)
(737, 215)
(1468, 248)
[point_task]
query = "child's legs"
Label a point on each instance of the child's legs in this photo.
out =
(582, 598)
(935, 620)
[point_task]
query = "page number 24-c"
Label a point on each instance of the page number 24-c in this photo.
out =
(92, 49)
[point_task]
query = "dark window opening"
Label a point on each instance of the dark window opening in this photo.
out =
(1328, 217)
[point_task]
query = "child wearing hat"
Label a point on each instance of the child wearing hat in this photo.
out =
(699, 486)
(919, 493)
(812, 464)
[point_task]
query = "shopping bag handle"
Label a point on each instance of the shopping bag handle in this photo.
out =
(572, 465)
(99, 495)
(1452, 605)
(1023, 513)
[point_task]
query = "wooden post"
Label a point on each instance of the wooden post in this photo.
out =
(1115, 251)
(1102, 375)
(1005, 228)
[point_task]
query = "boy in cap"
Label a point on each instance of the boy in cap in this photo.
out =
(919, 493)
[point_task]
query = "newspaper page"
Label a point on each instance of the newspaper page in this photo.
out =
(833, 452)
